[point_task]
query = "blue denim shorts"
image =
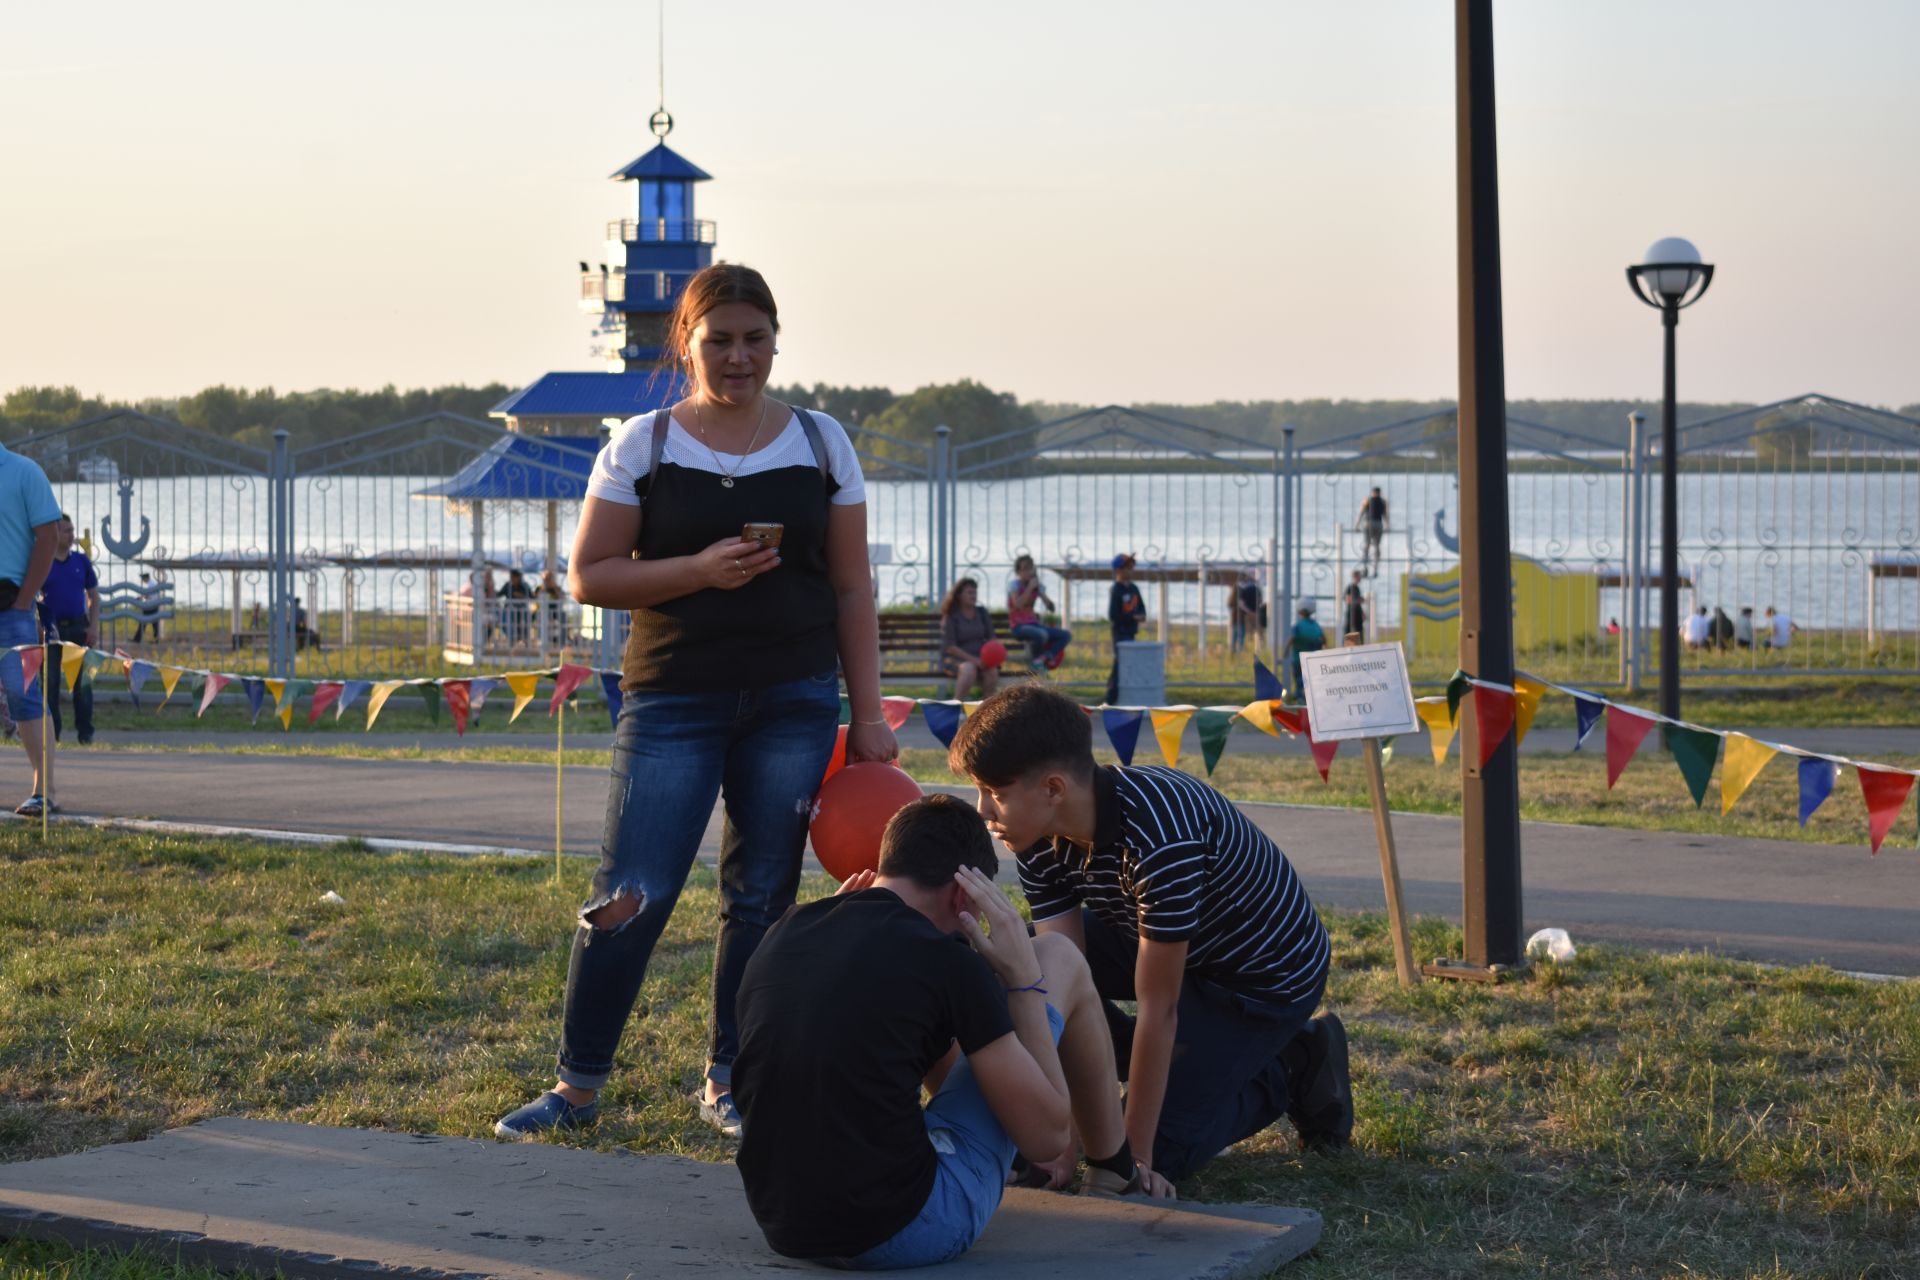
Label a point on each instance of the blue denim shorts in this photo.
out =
(974, 1154)
(18, 626)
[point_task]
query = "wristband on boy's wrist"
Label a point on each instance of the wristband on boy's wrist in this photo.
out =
(1033, 986)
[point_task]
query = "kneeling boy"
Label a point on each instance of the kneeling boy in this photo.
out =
(1179, 902)
(851, 1003)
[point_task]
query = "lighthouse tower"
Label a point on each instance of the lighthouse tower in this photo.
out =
(650, 254)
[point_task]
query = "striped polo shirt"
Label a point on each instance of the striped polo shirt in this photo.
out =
(1173, 860)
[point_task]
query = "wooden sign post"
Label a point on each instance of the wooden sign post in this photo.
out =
(1362, 691)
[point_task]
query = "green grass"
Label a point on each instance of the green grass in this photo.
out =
(1630, 1114)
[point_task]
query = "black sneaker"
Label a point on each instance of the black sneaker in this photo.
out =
(1323, 1108)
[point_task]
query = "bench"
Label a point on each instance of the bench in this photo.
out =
(910, 646)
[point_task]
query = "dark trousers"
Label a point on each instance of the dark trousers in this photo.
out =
(82, 689)
(1113, 673)
(1235, 1065)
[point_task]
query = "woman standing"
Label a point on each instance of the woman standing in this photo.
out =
(965, 629)
(730, 683)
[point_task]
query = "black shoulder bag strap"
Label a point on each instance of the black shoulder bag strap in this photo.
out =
(657, 445)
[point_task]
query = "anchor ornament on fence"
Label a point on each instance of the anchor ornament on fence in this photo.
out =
(125, 548)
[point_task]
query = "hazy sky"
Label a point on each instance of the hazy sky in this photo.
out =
(1089, 202)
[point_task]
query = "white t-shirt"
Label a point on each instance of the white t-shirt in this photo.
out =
(1699, 628)
(1782, 630)
(624, 458)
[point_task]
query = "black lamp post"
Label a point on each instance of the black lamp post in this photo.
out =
(1672, 277)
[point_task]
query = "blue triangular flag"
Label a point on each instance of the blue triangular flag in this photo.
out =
(138, 673)
(1266, 685)
(350, 693)
(256, 695)
(1123, 730)
(1587, 710)
(1816, 784)
(610, 685)
(943, 718)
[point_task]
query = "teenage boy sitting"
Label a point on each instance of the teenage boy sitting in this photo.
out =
(853, 1002)
(1178, 902)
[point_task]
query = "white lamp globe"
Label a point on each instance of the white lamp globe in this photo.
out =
(1685, 262)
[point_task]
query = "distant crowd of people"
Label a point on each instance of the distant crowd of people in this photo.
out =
(1701, 630)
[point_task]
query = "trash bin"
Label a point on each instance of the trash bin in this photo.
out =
(1143, 672)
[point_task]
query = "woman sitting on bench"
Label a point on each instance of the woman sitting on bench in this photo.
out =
(964, 628)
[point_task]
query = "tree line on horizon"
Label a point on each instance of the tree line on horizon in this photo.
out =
(972, 410)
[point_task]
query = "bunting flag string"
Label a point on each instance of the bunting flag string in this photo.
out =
(1498, 710)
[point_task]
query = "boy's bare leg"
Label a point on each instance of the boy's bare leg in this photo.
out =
(1086, 1050)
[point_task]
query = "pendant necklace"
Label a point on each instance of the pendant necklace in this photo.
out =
(726, 476)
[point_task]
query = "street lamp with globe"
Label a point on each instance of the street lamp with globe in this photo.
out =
(1671, 278)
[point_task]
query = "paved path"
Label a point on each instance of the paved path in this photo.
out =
(1763, 899)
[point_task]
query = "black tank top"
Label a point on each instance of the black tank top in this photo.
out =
(777, 628)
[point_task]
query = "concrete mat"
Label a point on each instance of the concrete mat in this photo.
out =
(312, 1201)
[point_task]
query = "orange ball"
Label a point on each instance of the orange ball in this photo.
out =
(851, 812)
(992, 653)
(839, 758)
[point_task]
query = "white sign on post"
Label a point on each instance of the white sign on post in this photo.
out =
(1361, 691)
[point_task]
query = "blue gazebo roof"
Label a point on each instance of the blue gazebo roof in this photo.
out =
(595, 395)
(663, 162)
(521, 468)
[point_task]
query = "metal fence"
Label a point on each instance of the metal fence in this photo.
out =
(363, 556)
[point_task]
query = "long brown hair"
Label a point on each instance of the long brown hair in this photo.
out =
(952, 601)
(711, 287)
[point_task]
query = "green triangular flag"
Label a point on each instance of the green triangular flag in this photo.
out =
(290, 693)
(1694, 750)
(1214, 727)
(431, 692)
(1457, 686)
(846, 710)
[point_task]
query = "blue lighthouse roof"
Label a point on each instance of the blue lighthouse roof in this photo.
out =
(663, 162)
(597, 395)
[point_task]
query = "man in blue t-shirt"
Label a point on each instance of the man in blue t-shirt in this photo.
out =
(29, 532)
(70, 614)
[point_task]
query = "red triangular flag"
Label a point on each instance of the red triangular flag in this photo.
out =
(1294, 721)
(896, 711)
(1885, 792)
(1625, 732)
(325, 694)
(1493, 714)
(30, 660)
(1323, 752)
(459, 695)
(571, 677)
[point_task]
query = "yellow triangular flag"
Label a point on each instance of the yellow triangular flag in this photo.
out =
(169, 680)
(1433, 713)
(72, 658)
(1168, 725)
(276, 688)
(286, 716)
(968, 708)
(1744, 760)
(378, 699)
(523, 683)
(1526, 700)
(1260, 716)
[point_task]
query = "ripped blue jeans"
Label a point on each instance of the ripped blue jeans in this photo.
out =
(764, 751)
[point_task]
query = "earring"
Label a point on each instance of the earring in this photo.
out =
(776, 351)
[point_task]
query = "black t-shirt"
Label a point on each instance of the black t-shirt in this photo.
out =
(1376, 508)
(846, 1005)
(1125, 609)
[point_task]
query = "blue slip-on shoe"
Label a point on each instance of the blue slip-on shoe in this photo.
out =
(548, 1111)
(720, 1113)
